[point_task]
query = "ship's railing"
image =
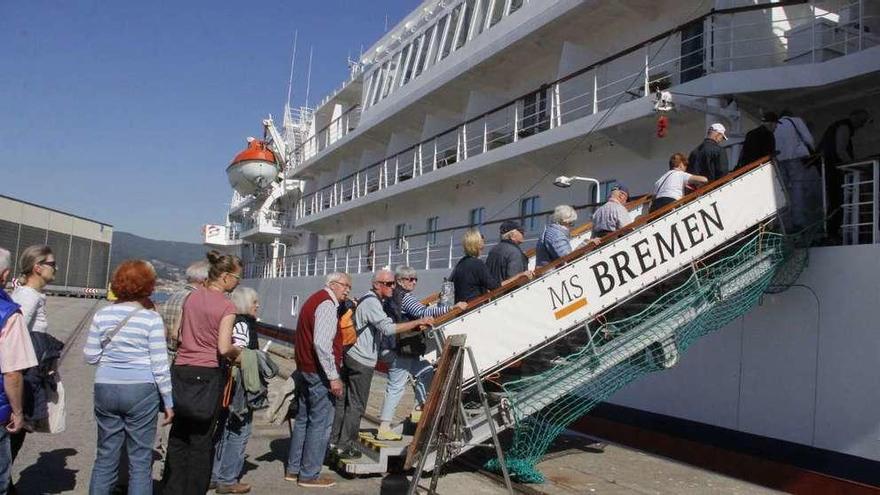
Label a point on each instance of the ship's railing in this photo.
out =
(329, 134)
(736, 39)
(861, 202)
(272, 220)
(438, 249)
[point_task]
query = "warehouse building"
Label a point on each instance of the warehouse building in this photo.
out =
(81, 245)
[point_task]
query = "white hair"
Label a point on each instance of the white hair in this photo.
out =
(198, 271)
(5, 260)
(564, 214)
(380, 272)
(337, 277)
(404, 272)
(244, 298)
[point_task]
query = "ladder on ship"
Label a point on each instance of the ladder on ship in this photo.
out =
(601, 317)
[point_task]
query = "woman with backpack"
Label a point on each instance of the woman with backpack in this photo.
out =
(403, 355)
(127, 343)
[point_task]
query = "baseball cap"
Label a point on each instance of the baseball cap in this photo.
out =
(508, 225)
(719, 128)
(620, 186)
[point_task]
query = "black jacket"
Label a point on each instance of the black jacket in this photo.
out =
(505, 260)
(471, 278)
(709, 160)
(759, 142)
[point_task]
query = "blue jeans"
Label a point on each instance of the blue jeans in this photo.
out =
(125, 413)
(229, 454)
(400, 368)
(5, 459)
(310, 431)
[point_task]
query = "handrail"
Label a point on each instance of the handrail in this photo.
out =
(575, 232)
(329, 124)
(360, 179)
(577, 253)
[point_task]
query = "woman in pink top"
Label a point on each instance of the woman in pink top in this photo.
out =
(197, 376)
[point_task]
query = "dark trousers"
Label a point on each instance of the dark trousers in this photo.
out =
(350, 408)
(834, 194)
(191, 442)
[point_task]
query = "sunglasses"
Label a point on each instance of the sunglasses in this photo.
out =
(53, 264)
(237, 277)
(411, 279)
(386, 284)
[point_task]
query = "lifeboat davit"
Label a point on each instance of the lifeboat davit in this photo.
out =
(253, 169)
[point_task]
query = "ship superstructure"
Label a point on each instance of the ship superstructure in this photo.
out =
(464, 113)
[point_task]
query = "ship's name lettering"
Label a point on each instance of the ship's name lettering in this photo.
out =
(652, 251)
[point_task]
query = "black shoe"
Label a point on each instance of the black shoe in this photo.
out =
(349, 454)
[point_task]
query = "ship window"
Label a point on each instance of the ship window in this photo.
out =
(476, 217)
(528, 209)
(370, 87)
(329, 244)
(410, 60)
(450, 31)
(348, 239)
(429, 49)
(497, 7)
(479, 18)
(391, 75)
(379, 82)
(431, 227)
(514, 6)
(294, 305)
(461, 31)
(400, 235)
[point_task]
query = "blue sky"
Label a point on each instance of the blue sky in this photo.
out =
(128, 112)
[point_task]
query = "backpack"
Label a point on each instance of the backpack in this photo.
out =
(346, 325)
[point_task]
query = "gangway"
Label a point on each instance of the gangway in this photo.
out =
(591, 322)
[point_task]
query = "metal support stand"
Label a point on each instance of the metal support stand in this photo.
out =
(447, 427)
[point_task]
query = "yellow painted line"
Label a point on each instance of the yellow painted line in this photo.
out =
(571, 308)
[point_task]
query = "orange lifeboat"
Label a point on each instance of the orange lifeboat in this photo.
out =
(253, 169)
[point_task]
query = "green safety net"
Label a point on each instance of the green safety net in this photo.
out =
(609, 355)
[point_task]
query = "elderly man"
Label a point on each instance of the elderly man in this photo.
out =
(172, 309)
(506, 260)
(357, 368)
(613, 214)
(555, 240)
(16, 355)
(318, 384)
(709, 159)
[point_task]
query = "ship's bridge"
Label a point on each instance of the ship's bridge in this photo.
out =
(457, 124)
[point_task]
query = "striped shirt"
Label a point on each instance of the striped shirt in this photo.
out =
(415, 309)
(554, 243)
(325, 330)
(137, 353)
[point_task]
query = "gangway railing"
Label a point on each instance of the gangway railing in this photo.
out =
(666, 279)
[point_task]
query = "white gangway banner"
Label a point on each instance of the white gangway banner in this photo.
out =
(513, 324)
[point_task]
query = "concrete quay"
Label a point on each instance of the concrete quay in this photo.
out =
(62, 463)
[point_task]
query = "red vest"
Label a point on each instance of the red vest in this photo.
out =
(304, 340)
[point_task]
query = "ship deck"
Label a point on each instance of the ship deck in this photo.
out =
(62, 463)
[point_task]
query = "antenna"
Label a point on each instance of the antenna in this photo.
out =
(309, 78)
(386, 23)
(292, 65)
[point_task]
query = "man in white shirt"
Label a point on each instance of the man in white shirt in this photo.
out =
(794, 145)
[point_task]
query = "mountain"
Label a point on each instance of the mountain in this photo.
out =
(170, 258)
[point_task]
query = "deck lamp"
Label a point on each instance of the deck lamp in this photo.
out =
(565, 181)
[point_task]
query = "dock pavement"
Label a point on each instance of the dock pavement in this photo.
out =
(61, 463)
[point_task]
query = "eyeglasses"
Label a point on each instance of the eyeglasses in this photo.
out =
(385, 283)
(347, 286)
(411, 279)
(237, 276)
(53, 264)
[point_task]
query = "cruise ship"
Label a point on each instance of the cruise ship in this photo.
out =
(470, 112)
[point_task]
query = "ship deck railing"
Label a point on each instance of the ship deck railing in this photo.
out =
(727, 40)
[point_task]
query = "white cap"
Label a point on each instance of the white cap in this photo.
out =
(719, 128)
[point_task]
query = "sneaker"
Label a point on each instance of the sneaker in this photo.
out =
(236, 488)
(291, 476)
(389, 435)
(319, 482)
(350, 454)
